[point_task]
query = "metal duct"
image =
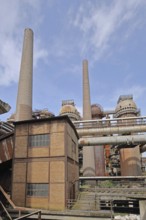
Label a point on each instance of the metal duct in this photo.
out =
(114, 140)
(111, 130)
(24, 97)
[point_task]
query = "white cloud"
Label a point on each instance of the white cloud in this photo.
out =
(136, 90)
(13, 20)
(9, 61)
(80, 110)
(99, 23)
(39, 53)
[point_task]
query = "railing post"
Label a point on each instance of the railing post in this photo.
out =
(111, 206)
(19, 213)
(39, 215)
(5, 210)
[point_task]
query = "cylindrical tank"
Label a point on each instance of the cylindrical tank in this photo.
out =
(68, 108)
(97, 113)
(129, 157)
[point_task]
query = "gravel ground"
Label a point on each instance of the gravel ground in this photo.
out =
(127, 217)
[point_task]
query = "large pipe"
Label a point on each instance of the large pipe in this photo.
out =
(111, 130)
(88, 152)
(114, 140)
(24, 97)
(112, 178)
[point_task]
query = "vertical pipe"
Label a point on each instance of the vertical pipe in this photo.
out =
(99, 160)
(24, 95)
(88, 152)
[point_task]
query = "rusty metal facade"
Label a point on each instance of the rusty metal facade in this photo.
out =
(5, 128)
(99, 160)
(4, 107)
(6, 147)
(130, 161)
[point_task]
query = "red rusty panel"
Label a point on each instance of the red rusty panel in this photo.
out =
(130, 161)
(107, 151)
(6, 148)
(107, 154)
(99, 161)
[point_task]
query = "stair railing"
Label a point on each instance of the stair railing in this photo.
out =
(17, 207)
(5, 210)
(30, 214)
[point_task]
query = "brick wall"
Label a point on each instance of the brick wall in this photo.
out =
(55, 165)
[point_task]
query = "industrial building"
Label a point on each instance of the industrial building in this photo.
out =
(42, 155)
(45, 163)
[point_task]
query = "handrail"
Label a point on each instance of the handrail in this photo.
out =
(18, 208)
(7, 197)
(110, 119)
(5, 210)
(30, 214)
(102, 127)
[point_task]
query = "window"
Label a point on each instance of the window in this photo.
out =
(37, 189)
(40, 140)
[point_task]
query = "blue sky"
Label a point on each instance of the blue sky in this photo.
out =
(110, 34)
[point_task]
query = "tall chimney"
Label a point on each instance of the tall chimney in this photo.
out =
(88, 152)
(86, 93)
(24, 96)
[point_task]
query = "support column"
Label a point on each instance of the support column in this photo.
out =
(142, 207)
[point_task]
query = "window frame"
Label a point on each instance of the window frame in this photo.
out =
(37, 189)
(39, 140)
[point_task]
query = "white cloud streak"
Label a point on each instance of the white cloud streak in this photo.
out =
(136, 90)
(99, 23)
(13, 18)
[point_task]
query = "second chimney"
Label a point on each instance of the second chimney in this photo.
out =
(88, 152)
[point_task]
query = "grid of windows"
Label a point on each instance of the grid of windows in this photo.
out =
(40, 140)
(37, 189)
